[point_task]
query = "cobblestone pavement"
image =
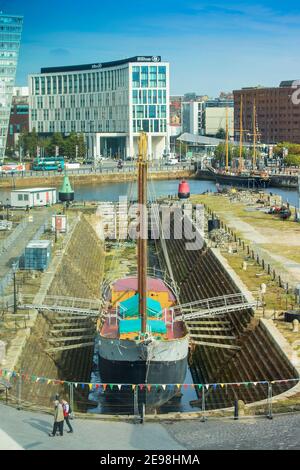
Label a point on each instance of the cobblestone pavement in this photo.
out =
(280, 433)
(30, 430)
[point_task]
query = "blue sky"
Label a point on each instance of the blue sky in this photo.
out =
(211, 46)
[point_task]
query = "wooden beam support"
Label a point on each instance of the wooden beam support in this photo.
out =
(212, 336)
(207, 328)
(72, 330)
(72, 346)
(216, 345)
(208, 322)
(70, 338)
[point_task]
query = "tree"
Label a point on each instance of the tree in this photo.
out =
(292, 160)
(236, 152)
(233, 152)
(57, 140)
(220, 154)
(29, 142)
(181, 147)
(81, 146)
(221, 134)
(292, 148)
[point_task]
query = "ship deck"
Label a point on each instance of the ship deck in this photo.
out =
(176, 330)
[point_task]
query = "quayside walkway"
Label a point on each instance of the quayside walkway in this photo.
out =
(29, 431)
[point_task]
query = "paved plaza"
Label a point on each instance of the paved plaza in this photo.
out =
(28, 430)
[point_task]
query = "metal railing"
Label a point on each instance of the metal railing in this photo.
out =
(214, 306)
(151, 272)
(5, 244)
(232, 397)
(71, 305)
(92, 171)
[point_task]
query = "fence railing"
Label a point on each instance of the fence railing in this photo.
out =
(6, 243)
(130, 399)
(99, 170)
(7, 279)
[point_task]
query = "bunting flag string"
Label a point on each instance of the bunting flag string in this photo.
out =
(14, 375)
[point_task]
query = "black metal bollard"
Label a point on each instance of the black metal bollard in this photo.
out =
(236, 409)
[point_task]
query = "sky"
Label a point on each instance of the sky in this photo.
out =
(212, 46)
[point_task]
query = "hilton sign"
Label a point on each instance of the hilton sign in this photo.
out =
(116, 63)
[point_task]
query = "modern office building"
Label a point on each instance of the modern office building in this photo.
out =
(277, 113)
(215, 116)
(109, 102)
(10, 37)
(193, 115)
(19, 116)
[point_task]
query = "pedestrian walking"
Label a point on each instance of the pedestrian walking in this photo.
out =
(58, 419)
(67, 411)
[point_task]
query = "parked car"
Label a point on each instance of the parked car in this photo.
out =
(172, 161)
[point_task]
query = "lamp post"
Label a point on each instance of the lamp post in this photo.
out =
(7, 207)
(15, 268)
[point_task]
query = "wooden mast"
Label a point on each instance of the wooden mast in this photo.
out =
(143, 230)
(227, 143)
(241, 136)
(254, 134)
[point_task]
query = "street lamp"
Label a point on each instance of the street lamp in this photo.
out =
(7, 207)
(15, 268)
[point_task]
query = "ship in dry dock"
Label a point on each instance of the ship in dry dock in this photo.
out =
(141, 341)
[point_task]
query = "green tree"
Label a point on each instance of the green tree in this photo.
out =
(221, 134)
(29, 142)
(56, 140)
(71, 142)
(181, 147)
(233, 152)
(292, 160)
(81, 146)
(236, 152)
(220, 154)
(292, 148)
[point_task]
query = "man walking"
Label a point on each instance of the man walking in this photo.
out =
(67, 411)
(58, 419)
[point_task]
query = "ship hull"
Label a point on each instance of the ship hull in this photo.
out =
(157, 363)
(248, 181)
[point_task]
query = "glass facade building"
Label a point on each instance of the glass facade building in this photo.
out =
(114, 100)
(10, 37)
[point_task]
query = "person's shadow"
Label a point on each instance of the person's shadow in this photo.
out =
(39, 424)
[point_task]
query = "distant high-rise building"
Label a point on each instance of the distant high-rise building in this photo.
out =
(10, 37)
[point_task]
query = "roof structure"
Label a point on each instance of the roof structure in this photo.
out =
(130, 307)
(206, 141)
(32, 190)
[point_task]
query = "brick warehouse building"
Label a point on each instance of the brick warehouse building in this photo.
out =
(19, 116)
(277, 117)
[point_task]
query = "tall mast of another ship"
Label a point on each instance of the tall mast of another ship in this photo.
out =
(241, 136)
(227, 143)
(254, 134)
(143, 231)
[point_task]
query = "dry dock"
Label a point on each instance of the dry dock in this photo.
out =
(244, 346)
